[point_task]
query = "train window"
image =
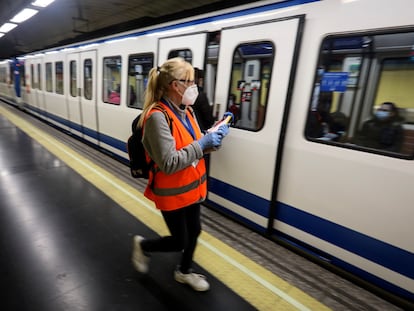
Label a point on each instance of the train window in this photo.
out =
(39, 77)
(59, 77)
(249, 85)
(49, 77)
(32, 76)
(139, 66)
(362, 95)
(22, 69)
(3, 75)
(87, 79)
(11, 73)
(73, 79)
(184, 53)
(112, 80)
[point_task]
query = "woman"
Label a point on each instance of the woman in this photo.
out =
(178, 182)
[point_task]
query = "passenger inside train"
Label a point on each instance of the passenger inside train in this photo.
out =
(384, 130)
(322, 123)
(202, 108)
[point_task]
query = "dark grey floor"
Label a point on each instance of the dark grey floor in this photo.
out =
(66, 246)
(329, 288)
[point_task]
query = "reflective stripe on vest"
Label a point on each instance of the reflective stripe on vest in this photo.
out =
(179, 190)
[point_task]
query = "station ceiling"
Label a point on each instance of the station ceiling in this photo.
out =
(68, 21)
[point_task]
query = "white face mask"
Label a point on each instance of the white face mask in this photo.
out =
(190, 95)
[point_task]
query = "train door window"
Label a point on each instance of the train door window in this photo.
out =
(3, 75)
(39, 77)
(49, 77)
(249, 85)
(211, 64)
(73, 79)
(11, 73)
(362, 94)
(59, 77)
(139, 66)
(32, 76)
(87, 78)
(22, 69)
(112, 80)
(184, 53)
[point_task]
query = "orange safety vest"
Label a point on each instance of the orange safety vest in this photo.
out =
(182, 188)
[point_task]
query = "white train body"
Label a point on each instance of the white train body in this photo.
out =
(349, 204)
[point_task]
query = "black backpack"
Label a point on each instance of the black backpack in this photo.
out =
(138, 164)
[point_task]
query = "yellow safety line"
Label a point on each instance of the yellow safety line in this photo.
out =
(260, 287)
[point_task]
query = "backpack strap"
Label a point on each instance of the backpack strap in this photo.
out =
(169, 121)
(167, 116)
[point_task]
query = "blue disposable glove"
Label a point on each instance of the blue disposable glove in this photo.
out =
(211, 140)
(223, 130)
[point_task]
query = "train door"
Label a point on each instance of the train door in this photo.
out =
(81, 98)
(36, 98)
(194, 49)
(191, 47)
(74, 95)
(253, 81)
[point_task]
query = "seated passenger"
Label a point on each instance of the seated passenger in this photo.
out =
(339, 124)
(202, 108)
(319, 117)
(384, 131)
(132, 96)
(114, 98)
(234, 107)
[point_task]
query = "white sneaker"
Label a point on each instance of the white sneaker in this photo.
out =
(197, 281)
(139, 260)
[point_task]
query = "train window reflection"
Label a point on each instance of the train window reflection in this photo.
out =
(249, 86)
(139, 66)
(112, 80)
(362, 94)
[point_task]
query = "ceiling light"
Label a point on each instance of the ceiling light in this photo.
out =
(2, 34)
(7, 27)
(42, 3)
(23, 15)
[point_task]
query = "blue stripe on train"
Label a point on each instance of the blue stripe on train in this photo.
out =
(113, 142)
(372, 249)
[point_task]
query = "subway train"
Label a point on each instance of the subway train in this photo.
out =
(314, 158)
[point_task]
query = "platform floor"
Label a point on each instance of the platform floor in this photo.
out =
(68, 214)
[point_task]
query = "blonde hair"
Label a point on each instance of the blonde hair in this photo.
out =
(159, 79)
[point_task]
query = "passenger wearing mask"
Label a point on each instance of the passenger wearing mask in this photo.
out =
(202, 108)
(178, 183)
(384, 131)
